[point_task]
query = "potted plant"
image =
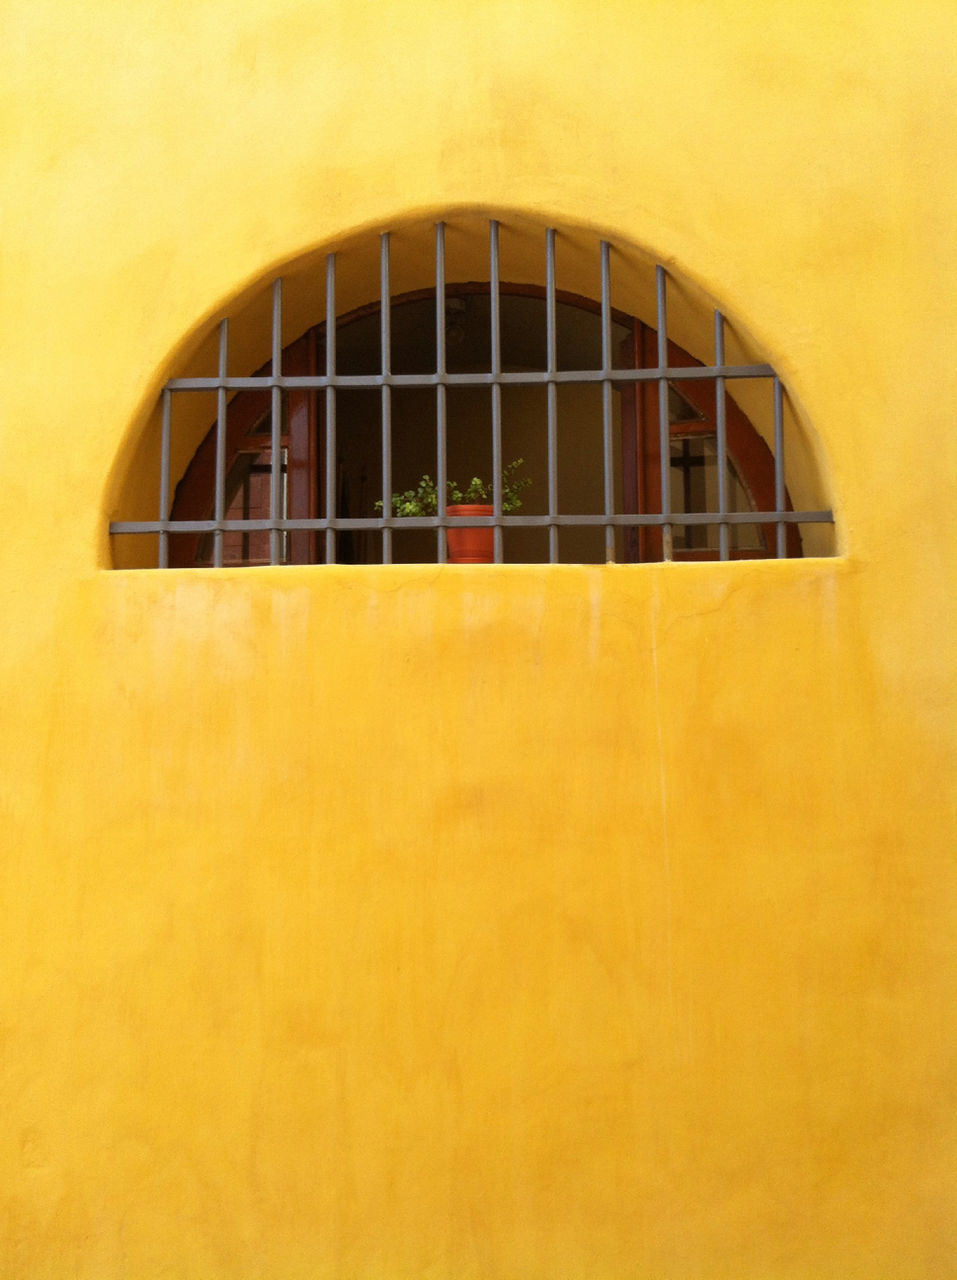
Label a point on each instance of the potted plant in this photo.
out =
(467, 544)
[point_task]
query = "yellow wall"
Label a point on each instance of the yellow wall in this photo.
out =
(511, 922)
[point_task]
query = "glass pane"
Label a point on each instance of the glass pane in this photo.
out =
(262, 426)
(680, 409)
(694, 488)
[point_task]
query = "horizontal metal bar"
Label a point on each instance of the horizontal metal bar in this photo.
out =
(479, 522)
(527, 378)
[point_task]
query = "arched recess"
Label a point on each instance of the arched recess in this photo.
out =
(488, 356)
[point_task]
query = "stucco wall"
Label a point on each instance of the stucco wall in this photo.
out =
(586, 922)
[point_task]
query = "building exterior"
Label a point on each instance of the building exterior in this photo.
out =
(415, 920)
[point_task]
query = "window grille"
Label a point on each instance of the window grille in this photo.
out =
(696, 485)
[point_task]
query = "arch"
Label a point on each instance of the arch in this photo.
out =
(728, 438)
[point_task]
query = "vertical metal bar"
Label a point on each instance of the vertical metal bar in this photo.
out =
(331, 506)
(244, 537)
(496, 371)
(284, 503)
(165, 433)
(606, 399)
(275, 441)
(721, 418)
(552, 368)
(664, 430)
(780, 497)
(440, 391)
(385, 341)
(219, 512)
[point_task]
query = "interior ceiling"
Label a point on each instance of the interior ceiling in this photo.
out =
(468, 336)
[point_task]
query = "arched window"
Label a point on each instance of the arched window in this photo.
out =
(574, 429)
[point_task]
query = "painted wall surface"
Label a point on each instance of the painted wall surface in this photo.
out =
(590, 922)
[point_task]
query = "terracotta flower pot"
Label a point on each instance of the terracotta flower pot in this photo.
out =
(471, 545)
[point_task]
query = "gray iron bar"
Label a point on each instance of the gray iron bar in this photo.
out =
(441, 463)
(527, 378)
(722, 433)
(275, 471)
(606, 400)
(552, 393)
(664, 427)
(385, 338)
(165, 433)
(219, 500)
(496, 338)
(512, 522)
(331, 510)
(780, 495)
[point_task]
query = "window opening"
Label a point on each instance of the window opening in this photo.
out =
(631, 449)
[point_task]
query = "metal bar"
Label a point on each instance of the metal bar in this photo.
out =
(441, 462)
(551, 363)
(606, 399)
(664, 427)
(385, 339)
(275, 467)
(165, 434)
(219, 500)
(331, 507)
(721, 420)
(528, 378)
(496, 370)
(244, 550)
(512, 522)
(780, 494)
